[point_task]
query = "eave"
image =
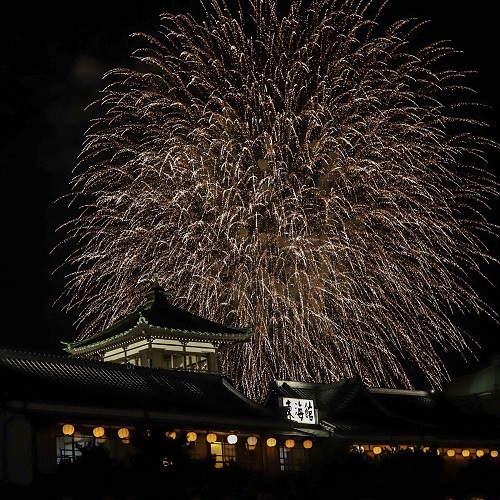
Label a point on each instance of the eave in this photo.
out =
(148, 332)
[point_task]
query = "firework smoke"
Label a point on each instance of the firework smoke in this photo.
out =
(311, 174)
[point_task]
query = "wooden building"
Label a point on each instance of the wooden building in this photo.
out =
(161, 335)
(154, 378)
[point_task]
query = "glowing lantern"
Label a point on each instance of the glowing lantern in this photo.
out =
(191, 436)
(211, 438)
(289, 443)
(251, 440)
(479, 453)
(123, 433)
(377, 450)
(271, 442)
(451, 453)
(494, 453)
(307, 444)
(465, 453)
(98, 432)
(232, 439)
(68, 429)
(171, 434)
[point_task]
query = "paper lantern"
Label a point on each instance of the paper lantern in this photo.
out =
(211, 437)
(232, 439)
(98, 432)
(451, 453)
(271, 442)
(307, 444)
(479, 453)
(171, 434)
(377, 450)
(191, 436)
(494, 453)
(123, 433)
(290, 443)
(465, 453)
(68, 429)
(251, 440)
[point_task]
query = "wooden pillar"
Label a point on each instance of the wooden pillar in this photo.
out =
(184, 359)
(213, 362)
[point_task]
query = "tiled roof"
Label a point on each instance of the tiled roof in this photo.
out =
(350, 408)
(159, 312)
(58, 379)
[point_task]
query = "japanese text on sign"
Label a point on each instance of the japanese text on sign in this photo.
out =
(299, 410)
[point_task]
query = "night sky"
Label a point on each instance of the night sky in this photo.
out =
(51, 66)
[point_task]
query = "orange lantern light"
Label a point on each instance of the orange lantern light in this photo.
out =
(98, 432)
(191, 436)
(123, 433)
(290, 443)
(68, 429)
(307, 444)
(211, 437)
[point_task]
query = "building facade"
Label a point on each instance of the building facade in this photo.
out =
(153, 381)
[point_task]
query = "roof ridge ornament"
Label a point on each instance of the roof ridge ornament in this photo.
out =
(156, 285)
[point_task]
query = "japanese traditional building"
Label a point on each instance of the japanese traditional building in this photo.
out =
(154, 376)
(161, 335)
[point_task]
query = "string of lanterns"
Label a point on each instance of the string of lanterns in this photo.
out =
(191, 437)
(98, 432)
(447, 452)
(211, 437)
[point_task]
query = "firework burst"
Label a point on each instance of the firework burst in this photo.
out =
(310, 174)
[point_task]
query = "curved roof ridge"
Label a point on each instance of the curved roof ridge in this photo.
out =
(158, 312)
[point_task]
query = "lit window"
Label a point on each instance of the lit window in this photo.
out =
(291, 458)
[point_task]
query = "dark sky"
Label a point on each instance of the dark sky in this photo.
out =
(51, 65)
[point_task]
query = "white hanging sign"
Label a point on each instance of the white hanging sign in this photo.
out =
(299, 410)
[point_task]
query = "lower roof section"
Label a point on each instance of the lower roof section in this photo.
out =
(350, 409)
(45, 383)
(42, 383)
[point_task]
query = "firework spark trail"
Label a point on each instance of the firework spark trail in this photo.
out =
(312, 175)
